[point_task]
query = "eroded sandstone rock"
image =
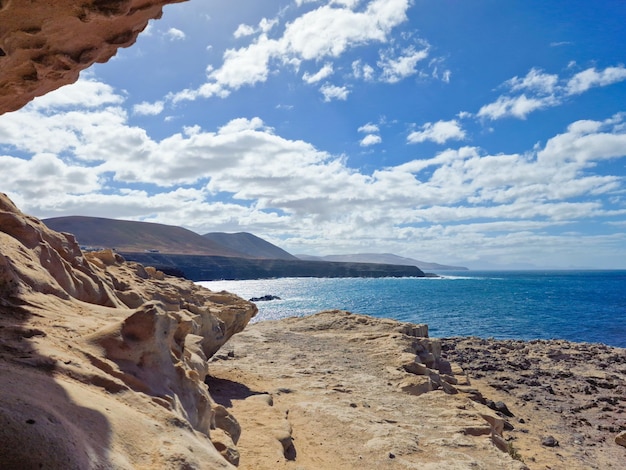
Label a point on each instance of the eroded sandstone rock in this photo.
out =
(103, 362)
(44, 45)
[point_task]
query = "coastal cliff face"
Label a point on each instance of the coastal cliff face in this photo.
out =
(103, 362)
(44, 45)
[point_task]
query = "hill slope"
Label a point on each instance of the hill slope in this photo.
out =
(130, 236)
(249, 244)
(383, 258)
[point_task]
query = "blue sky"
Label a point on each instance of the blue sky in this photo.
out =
(484, 133)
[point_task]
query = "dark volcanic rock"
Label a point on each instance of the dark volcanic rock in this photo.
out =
(265, 298)
(208, 268)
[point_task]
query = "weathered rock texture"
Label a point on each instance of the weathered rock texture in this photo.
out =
(44, 45)
(102, 362)
(569, 398)
(340, 390)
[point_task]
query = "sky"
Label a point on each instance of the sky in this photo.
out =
(487, 134)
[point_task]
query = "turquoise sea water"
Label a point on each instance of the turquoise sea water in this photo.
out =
(584, 306)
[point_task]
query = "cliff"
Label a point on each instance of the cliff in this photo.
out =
(102, 361)
(44, 45)
(207, 268)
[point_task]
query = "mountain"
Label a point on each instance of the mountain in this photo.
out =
(383, 258)
(130, 236)
(249, 244)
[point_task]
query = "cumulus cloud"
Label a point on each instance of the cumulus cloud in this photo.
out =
(518, 106)
(174, 34)
(439, 132)
(149, 109)
(539, 90)
(243, 30)
(362, 71)
(333, 92)
(243, 175)
(325, 72)
(370, 139)
(535, 80)
(369, 128)
(397, 66)
(591, 78)
(344, 28)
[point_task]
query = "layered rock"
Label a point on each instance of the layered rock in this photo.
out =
(102, 361)
(342, 390)
(44, 45)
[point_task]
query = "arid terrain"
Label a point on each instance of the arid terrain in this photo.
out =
(340, 383)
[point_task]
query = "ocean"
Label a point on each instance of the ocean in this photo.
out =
(581, 306)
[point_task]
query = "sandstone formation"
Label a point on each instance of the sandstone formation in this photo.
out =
(102, 362)
(44, 45)
(340, 390)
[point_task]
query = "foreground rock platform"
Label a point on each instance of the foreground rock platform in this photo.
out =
(339, 390)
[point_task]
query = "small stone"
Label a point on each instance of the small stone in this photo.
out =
(392, 455)
(549, 441)
(620, 439)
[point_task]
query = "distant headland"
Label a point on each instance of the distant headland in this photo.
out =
(181, 252)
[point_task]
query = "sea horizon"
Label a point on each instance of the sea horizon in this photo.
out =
(574, 305)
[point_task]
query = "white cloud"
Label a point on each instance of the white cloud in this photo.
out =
(344, 28)
(369, 128)
(325, 72)
(519, 106)
(362, 71)
(149, 109)
(439, 132)
(370, 139)
(591, 78)
(265, 26)
(175, 34)
(244, 30)
(540, 90)
(396, 67)
(536, 81)
(332, 92)
(86, 92)
(244, 176)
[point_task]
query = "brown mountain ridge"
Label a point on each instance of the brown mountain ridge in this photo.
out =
(139, 237)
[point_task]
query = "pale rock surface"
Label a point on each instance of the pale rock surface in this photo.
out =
(102, 362)
(345, 387)
(44, 45)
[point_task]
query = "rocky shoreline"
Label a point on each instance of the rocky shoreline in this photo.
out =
(570, 397)
(348, 391)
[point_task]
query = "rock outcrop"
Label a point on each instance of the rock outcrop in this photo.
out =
(44, 45)
(207, 268)
(103, 362)
(342, 390)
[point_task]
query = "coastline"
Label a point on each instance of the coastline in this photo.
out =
(576, 306)
(109, 364)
